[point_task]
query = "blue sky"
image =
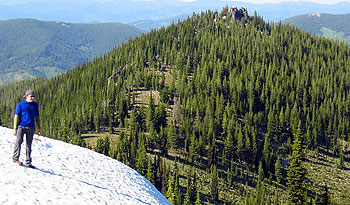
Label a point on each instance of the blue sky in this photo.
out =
(251, 1)
(315, 1)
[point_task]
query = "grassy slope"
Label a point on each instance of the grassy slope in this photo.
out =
(322, 170)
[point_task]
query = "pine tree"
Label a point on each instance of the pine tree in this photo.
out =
(170, 194)
(133, 153)
(157, 173)
(266, 155)
(297, 171)
(141, 157)
(198, 199)
(163, 177)
(151, 113)
(99, 145)
(212, 158)
(193, 147)
(106, 145)
(188, 196)
(260, 190)
(340, 163)
(162, 141)
(230, 174)
(223, 157)
(214, 183)
(110, 123)
(187, 200)
(177, 192)
(228, 146)
(278, 170)
(150, 172)
(102, 146)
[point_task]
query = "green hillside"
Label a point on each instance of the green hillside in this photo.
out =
(331, 26)
(212, 110)
(33, 48)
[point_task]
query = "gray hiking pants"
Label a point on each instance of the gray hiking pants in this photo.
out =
(29, 132)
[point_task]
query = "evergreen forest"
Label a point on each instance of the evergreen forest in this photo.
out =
(212, 110)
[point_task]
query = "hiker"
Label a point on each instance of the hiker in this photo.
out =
(26, 117)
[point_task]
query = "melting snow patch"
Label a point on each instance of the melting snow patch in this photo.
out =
(68, 174)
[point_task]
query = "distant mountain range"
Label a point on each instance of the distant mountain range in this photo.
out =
(326, 25)
(33, 48)
(154, 24)
(127, 11)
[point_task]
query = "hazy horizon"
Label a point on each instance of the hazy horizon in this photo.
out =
(129, 11)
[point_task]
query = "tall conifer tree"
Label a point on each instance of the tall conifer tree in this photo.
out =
(297, 171)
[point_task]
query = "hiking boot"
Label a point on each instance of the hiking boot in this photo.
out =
(30, 165)
(18, 162)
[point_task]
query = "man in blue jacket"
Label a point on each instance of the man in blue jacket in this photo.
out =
(26, 117)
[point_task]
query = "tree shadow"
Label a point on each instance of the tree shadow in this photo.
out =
(317, 163)
(175, 158)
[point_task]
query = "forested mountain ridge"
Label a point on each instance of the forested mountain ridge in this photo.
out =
(326, 25)
(33, 48)
(225, 97)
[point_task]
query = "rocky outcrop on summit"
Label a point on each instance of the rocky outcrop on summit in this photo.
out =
(239, 14)
(233, 15)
